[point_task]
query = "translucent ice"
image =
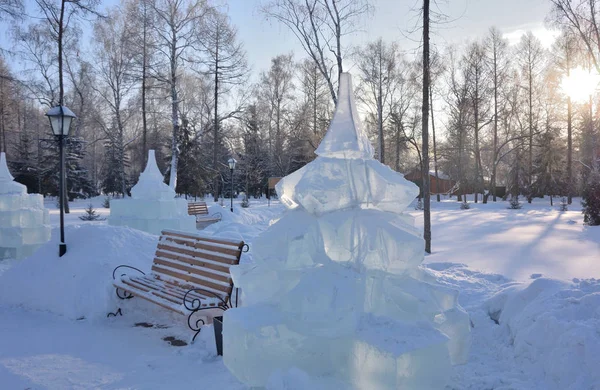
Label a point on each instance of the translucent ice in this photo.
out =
(153, 206)
(345, 137)
(24, 223)
(335, 290)
(329, 184)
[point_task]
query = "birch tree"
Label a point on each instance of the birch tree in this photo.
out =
(176, 29)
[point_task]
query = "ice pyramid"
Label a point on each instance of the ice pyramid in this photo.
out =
(152, 206)
(336, 289)
(24, 222)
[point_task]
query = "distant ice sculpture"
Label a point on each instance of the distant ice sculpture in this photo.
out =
(152, 206)
(24, 222)
(335, 289)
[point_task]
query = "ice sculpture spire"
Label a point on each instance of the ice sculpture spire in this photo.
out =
(7, 183)
(153, 206)
(345, 137)
(4, 173)
(151, 183)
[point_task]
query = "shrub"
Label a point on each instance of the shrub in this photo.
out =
(514, 203)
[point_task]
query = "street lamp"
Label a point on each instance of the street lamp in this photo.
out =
(231, 163)
(60, 121)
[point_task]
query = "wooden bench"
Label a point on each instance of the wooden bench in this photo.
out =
(190, 276)
(200, 211)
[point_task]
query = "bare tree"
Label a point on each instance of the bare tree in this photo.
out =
(114, 61)
(226, 63)
(580, 18)
(176, 31)
(12, 9)
(320, 26)
(377, 62)
(476, 76)
(276, 90)
(530, 55)
(497, 62)
(141, 18)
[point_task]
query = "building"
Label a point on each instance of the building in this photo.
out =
(440, 185)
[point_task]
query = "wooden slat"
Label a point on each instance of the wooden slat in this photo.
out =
(192, 279)
(171, 288)
(198, 237)
(199, 263)
(155, 301)
(198, 244)
(222, 295)
(198, 254)
(193, 270)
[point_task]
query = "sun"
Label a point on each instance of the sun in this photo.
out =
(580, 84)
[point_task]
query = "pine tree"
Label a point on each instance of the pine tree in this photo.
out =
(90, 214)
(591, 200)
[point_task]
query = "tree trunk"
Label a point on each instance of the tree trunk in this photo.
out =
(495, 146)
(530, 159)
(144, 71)
(425, 130)
(174, 113)
(435, 163)
(216, 127)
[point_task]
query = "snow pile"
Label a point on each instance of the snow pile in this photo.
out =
(336, 290)
(153, 206)
(24, 223)
(554, 330)
(79, 283)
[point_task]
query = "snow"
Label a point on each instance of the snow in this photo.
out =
(516, 243)
(547, 335)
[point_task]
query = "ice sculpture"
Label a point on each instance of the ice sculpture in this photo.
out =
(152, 206)
(24, 222)
(335, 289)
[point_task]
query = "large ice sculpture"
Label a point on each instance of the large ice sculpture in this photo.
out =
(153, 206)
(335, 288)
(24, 223)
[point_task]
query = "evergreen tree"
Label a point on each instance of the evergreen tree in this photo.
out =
(548, 168)
(591, 200)
(79, 184)
(111, 172)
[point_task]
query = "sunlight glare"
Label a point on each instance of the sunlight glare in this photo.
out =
(580, 84)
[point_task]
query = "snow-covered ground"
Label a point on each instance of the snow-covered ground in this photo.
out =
(526, 277)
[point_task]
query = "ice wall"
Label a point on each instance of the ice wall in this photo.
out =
(152, 206)
(24, 222)
(335, 288)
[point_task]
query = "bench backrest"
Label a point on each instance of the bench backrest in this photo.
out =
(197, 208)
(194, 261)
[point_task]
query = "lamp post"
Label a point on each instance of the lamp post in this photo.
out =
(231, 163)
(60, 120)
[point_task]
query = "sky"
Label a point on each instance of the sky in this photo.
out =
(392, 20)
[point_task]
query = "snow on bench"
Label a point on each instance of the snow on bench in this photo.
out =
(190, 275)
(200, 211)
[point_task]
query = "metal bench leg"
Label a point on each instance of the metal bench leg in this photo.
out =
(195, 326)
(119, 312)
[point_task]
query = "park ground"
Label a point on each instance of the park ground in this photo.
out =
(528, 278)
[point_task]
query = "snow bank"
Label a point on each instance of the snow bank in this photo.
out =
(79, 283)
(554, 328)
